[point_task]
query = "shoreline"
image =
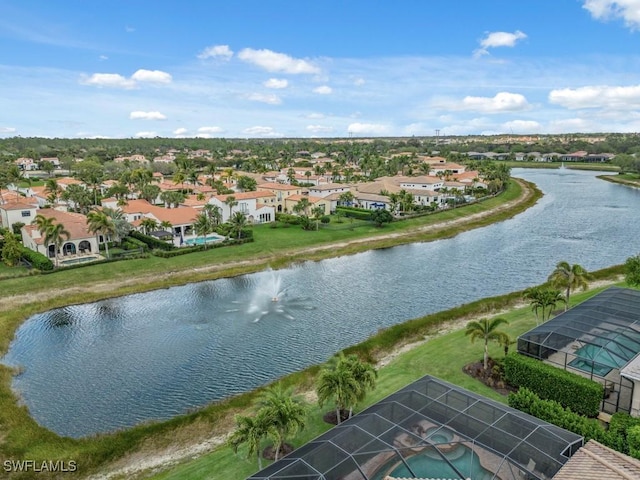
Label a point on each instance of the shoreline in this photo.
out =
(170, 441)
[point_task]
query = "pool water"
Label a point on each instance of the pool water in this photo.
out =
(76, 260)
(425, 465)
(203, 240)
(602, 358)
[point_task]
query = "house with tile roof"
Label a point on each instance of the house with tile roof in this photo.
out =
(281, 191)
(180, 218)
(258, 206)
(316, 202)
(22, 210)
(80, 239)
(594, 461)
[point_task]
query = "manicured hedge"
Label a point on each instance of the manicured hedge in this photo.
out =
(287, 218)
(151, 242)
(551, 411)
(581, 395)
(199, 248)
(37, 260)
(130, 243)
(358, 213)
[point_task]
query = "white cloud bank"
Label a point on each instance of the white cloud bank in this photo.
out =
(612, 98)
(138, 115)
(276, 62)
(627, 10)
(500, 103)
(319, 129)
(499, 39)
(323, 90)
(269, 98)
(115, 80)
(260, 131)
(276, 83)
(210, 130)
(216, 51)
(367, 129)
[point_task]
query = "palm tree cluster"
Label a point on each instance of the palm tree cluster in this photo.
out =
(569, 277)
(53, 233)
(543, 301)
(279, 415)
(345, 381)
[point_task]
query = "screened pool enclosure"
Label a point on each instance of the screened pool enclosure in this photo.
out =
(432, 429)
(596, 339)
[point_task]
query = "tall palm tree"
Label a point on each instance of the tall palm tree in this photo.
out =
(203, 226)
(337, 384)
(548, 301)
(148, 225)
(213, 212)
(52, 189)
(251, 431)
(487, 330)
(534, 295)
(100, 223)
(166, 225)
(231, 202)
(364, 373)
(302, 206)
(53, 233)
(286, 413)
(569, 277)
(238, 221)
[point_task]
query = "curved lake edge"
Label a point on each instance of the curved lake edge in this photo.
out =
(620, 181)
(104, 448)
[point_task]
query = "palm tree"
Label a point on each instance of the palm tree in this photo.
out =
(486, 329)
(238, 221)
(286, 413)
(52, 189)
(302, 206)
(338, 384)
(231, 202)
(364, 373)
(251, 430)
(54, 233)
(203, 226)
(213, 212)
(166, 225)
(99, 222)
(148, 225)
(534, 295)
(549, 299)
(569, 277)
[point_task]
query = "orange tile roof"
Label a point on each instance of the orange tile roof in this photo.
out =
(19, 204)
(74, 223)
(277, 186)
(245, 195)
(594, 461)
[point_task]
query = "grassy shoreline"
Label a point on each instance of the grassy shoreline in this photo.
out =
(22, 438)
(629, 180)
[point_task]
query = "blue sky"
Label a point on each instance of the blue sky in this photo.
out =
(287, 68)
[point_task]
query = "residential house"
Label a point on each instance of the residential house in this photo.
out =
(79, 241)
(258, 206)
(180, 218)
(21, 210)
(281, 191)
(316, 202)
(27, 164)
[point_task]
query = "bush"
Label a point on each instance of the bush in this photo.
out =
(551, 411)
(620, 428)
(288, 219)
(633, 437)
(325, 219)
(37, 260)
(130, 243)
(581, 395)
(353, 212)
(151, 242)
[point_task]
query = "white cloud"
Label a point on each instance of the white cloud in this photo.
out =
(319, 129)
(270, 98)
(359, 81)
(276, 62)
(521, 126)
(499, 39)
(146, 134)
(323, 90)
(367, 128)
(180, 131)
(216, 51)
(627, 10)
(113, 80)
(153, 76)
(501, 102)
(138, 115)
(568, 125)
(601, 96)
(210, 130)
(103, 57)
(4, 130)
(276, 83)
(129, 29)
(315, 116)
(259, 131)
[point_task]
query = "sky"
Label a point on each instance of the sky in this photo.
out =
(330, 68)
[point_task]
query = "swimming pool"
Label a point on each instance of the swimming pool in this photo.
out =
(429, 464)
(202, 240)
(63, 262)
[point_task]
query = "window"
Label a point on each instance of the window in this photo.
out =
(26, 213)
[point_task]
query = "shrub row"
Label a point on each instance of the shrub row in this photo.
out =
(151, 242)
(623, 434)
(581, 395)
(353, 212)
(131, 243)
(288, 219)
(37, 260)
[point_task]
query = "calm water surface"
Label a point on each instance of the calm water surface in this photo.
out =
(112, 364)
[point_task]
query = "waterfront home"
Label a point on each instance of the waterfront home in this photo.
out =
(181, 218)
(79, 241)
(258, 206)
(21, 210)
(281, 191)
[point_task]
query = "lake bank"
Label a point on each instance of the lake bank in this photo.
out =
(25, 439)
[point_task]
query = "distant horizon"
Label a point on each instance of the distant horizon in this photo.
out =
(282, 69)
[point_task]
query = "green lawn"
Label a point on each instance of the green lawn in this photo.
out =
(442, 357)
